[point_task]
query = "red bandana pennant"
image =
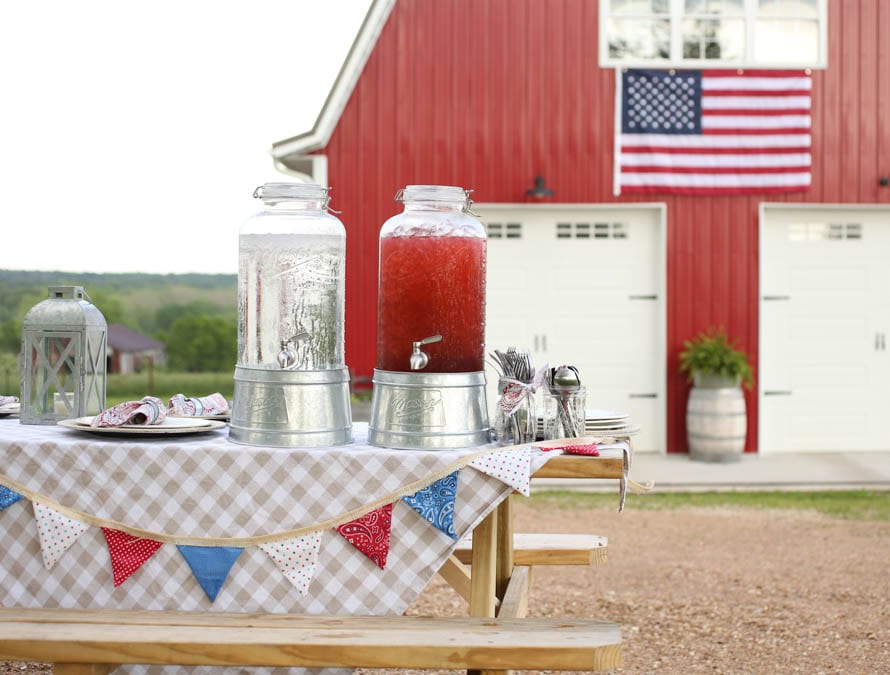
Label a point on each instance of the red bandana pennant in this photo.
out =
(370, 534)
(128, 553)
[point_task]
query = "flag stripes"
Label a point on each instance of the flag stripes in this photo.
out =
(712, 132)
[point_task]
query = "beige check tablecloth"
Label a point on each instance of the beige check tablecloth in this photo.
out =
(203, 489)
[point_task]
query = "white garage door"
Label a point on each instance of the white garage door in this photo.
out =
(824, 320)
(584, 285)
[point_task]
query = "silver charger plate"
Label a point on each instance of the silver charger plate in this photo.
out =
(171, 426)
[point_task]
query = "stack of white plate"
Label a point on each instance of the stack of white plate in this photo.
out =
(602, 423)
(9, 409)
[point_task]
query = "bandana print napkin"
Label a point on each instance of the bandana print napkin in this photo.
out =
(150, 410)
(370, 534)
(435, 503)
(8, 400)
(183, 406)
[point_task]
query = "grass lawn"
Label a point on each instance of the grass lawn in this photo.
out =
(849, 504)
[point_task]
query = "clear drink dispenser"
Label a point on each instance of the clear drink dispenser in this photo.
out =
(291, 382)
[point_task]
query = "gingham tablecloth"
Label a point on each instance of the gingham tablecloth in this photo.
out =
(204, 490)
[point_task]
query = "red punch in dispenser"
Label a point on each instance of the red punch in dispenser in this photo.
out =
(429, 384)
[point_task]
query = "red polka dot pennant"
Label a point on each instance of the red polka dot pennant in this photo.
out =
(296, 558)
(512, 467)
(128, 553)
(57, 533)
(370, 534)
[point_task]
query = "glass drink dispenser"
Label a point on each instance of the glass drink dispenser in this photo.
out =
(291, 382)
(429, 384)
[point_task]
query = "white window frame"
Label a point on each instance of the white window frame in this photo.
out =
(676, 59)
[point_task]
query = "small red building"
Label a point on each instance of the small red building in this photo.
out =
(130, 352)
(518, 101)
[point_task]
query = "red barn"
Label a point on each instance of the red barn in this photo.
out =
(518, 101)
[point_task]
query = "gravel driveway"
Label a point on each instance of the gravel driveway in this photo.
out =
(721, 590)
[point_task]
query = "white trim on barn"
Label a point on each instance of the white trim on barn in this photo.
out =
(585, 284)
(305, 168)
(824, 368)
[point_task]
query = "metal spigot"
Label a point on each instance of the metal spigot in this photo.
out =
(419, 358)
(287, 357)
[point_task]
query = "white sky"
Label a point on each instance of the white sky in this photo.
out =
(133, 133)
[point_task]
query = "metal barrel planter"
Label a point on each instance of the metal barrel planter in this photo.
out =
(716, 421)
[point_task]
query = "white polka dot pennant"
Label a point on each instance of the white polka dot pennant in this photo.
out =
(512, 467)
(57, 533)
(296, 558)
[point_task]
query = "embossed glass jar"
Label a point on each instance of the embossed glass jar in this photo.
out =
(429, 383)
(432, 283)
(291, 263)
(291, 382)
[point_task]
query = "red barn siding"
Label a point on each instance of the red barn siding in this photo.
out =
(489, 93)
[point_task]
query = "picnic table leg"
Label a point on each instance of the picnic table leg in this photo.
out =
(492, 565)
(483, 586)
(504, 565)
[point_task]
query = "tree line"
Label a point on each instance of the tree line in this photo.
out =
(194, 315)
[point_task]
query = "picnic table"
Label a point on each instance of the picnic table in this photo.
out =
(139, 528)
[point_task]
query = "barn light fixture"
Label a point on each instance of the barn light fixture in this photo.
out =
(540, 190)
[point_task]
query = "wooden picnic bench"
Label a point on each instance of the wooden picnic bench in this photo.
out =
(81, 641)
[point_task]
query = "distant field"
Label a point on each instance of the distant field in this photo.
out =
(166, 384)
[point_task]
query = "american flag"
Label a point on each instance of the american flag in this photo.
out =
(712, 131)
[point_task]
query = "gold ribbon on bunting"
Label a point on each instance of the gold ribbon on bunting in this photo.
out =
(408, 489)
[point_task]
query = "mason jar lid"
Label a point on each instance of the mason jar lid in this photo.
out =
(279, 191)
(433, 193)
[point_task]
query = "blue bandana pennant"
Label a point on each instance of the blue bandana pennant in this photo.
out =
(8, 497)
(435, 503)
(210, 565)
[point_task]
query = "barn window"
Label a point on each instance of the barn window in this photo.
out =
(591, 231)
(824, 231)
(514, 230)
(504, 230)
(713, 33)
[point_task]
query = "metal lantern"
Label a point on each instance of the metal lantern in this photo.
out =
(63, 358)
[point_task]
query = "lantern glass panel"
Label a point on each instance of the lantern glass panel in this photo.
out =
(64, 341)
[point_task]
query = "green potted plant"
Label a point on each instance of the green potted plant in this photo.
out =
(711, 360)
(716, 420)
